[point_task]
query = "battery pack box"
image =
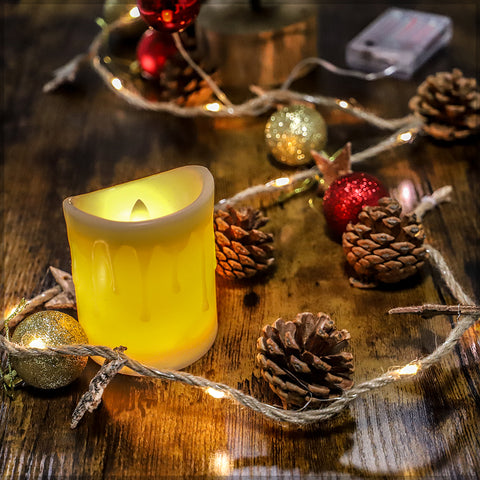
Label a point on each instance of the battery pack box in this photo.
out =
(404, 39)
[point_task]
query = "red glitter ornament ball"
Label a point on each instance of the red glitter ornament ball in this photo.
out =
(346, 196)
(169, 15)
(153, 50)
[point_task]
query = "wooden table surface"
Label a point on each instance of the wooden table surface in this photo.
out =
(83, 137)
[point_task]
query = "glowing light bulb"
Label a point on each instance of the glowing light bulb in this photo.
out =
(281, 182)
(37, 343)
(405, 137)
(10, 312)
(117, 83)
(139, 212)
(411, 369)
(212, 107)
(215, 393)
(406, 191)
(343, 104)
(134, 12)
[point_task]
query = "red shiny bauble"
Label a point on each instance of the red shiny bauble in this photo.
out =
(346, 196)
(169, 15)
(153, 50)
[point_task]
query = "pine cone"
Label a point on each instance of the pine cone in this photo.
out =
(242, 250)
(303, 360)
(383, 246)
(449, 104)
(180, 82)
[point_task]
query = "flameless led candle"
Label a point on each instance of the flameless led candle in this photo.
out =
(143, 265)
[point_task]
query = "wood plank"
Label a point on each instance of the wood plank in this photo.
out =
(83, 138)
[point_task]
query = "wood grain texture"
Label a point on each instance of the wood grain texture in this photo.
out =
(83, 138)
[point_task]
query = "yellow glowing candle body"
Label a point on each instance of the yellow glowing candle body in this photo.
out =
(143, 264)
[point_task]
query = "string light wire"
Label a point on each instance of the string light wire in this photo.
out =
(224, 108)
(407, 129)
(306, 62)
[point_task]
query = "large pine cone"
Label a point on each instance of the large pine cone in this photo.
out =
(242, 250)
(449, 104)
(383, 246)
(303, 360)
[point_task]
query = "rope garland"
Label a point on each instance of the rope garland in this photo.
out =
(258, 105)
(404, 130)
(406, 134)
(429, 202)
(299, 418)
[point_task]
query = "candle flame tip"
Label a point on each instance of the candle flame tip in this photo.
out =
(139, 211)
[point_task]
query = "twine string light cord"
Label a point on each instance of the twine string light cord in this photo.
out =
(252, 107)
(279, 186)
(404, 129)
(429, 309)
(293, 417)
(308, 62)
(218, 92)
(300, 417)
(429, 202)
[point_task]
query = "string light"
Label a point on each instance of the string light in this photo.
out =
(279, 182)
(11, 312)
(14, 311)
(308, 178)
(134, 12)
(408, 370)
(253, 107)
(256, 106)
(405, 137)
(215, 393)
(117, 83)
(213, 107)
(294, 417)
(37, 343)
(406, 195)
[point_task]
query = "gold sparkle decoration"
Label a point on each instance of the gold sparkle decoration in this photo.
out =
(292, 132)
(41, 330)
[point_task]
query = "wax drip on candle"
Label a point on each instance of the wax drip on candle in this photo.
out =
(177, 249)
(139, 212)
(144, 260)
(103, 274)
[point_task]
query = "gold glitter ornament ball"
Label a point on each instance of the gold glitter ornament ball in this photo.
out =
(292, 132)
(49, 328)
